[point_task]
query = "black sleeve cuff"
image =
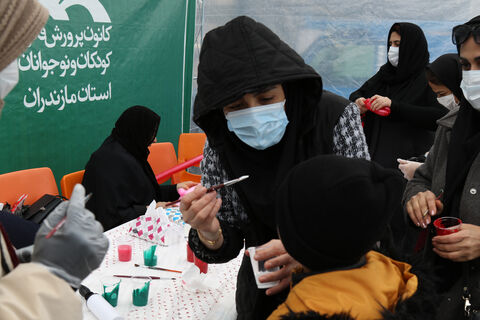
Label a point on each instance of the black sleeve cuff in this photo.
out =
(232, 244)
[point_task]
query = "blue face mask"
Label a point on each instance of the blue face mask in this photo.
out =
(259, 127)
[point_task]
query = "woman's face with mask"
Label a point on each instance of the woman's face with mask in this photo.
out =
(441, 91)
(444, 95)
(470, 61)
(258, 119)
(265, 96)
(394, 49)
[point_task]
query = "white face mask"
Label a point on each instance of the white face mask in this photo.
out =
(448, 101)
(8, 80)
(471, 87)
(393, 54)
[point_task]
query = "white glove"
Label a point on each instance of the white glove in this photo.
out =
(78, 247)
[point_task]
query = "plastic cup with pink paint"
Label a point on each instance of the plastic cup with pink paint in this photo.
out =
(124, 252)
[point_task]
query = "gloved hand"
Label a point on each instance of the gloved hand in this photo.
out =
(24, 254)
(78, 247)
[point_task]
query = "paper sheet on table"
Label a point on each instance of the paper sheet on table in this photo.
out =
(224, 309)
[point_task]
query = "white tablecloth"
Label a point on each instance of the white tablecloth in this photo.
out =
(168, 299)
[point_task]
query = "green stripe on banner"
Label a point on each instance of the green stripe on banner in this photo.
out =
(94, 59)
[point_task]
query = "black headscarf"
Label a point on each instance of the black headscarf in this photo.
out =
(136, 129)
(238, 58)
(448, 70)
(463, 149)
(413, 54)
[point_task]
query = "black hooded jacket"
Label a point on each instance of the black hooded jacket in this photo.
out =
(409, 129)
(240, 58)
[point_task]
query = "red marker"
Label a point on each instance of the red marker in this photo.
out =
(62, 221)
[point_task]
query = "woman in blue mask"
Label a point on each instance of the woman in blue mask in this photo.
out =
(452, 169)
(263, 111)
(400, 84)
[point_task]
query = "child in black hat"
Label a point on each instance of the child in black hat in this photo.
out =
(331, 211)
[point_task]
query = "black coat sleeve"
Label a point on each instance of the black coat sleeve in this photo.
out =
(232, 244)
(364, 89)
(422, 116)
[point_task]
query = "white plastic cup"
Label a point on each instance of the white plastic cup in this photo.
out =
(259, 270)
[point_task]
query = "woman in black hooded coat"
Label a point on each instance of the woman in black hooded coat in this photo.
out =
(246, 70)
(409, 129)
(118, 174)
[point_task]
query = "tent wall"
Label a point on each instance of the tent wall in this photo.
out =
(345, 41)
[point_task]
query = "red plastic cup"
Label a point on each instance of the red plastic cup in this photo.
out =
(203, 266)
(447, 225)
(124, 252)
(190, 255)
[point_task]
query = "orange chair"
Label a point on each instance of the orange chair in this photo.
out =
(162, 157)
(190, 145)
(34, 182)
(69, 181)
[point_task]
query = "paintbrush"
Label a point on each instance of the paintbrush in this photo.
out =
(213, 188)
(142, 277)
(157, 268)
(62, 221)
(437, 198)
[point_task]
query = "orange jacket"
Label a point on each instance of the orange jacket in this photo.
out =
(362, 292)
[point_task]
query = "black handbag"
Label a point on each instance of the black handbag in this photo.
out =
(41, 208)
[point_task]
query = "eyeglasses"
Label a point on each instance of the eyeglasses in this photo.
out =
(461, 33)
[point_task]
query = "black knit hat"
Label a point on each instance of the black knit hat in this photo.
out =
(331, 210)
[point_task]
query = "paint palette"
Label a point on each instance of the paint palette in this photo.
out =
(175, 215)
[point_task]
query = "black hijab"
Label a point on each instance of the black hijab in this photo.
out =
(401, 82)
(413, 54)
(463, 149)
(135, 130)
(448, 71)
(241, 57)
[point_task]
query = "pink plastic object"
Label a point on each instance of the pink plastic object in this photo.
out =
(183, 192)
(124, 252)
(179, 167)
(203, 266)
(385, 111)
(190, 255)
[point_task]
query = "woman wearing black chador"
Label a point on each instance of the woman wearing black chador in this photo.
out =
(401, 85)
